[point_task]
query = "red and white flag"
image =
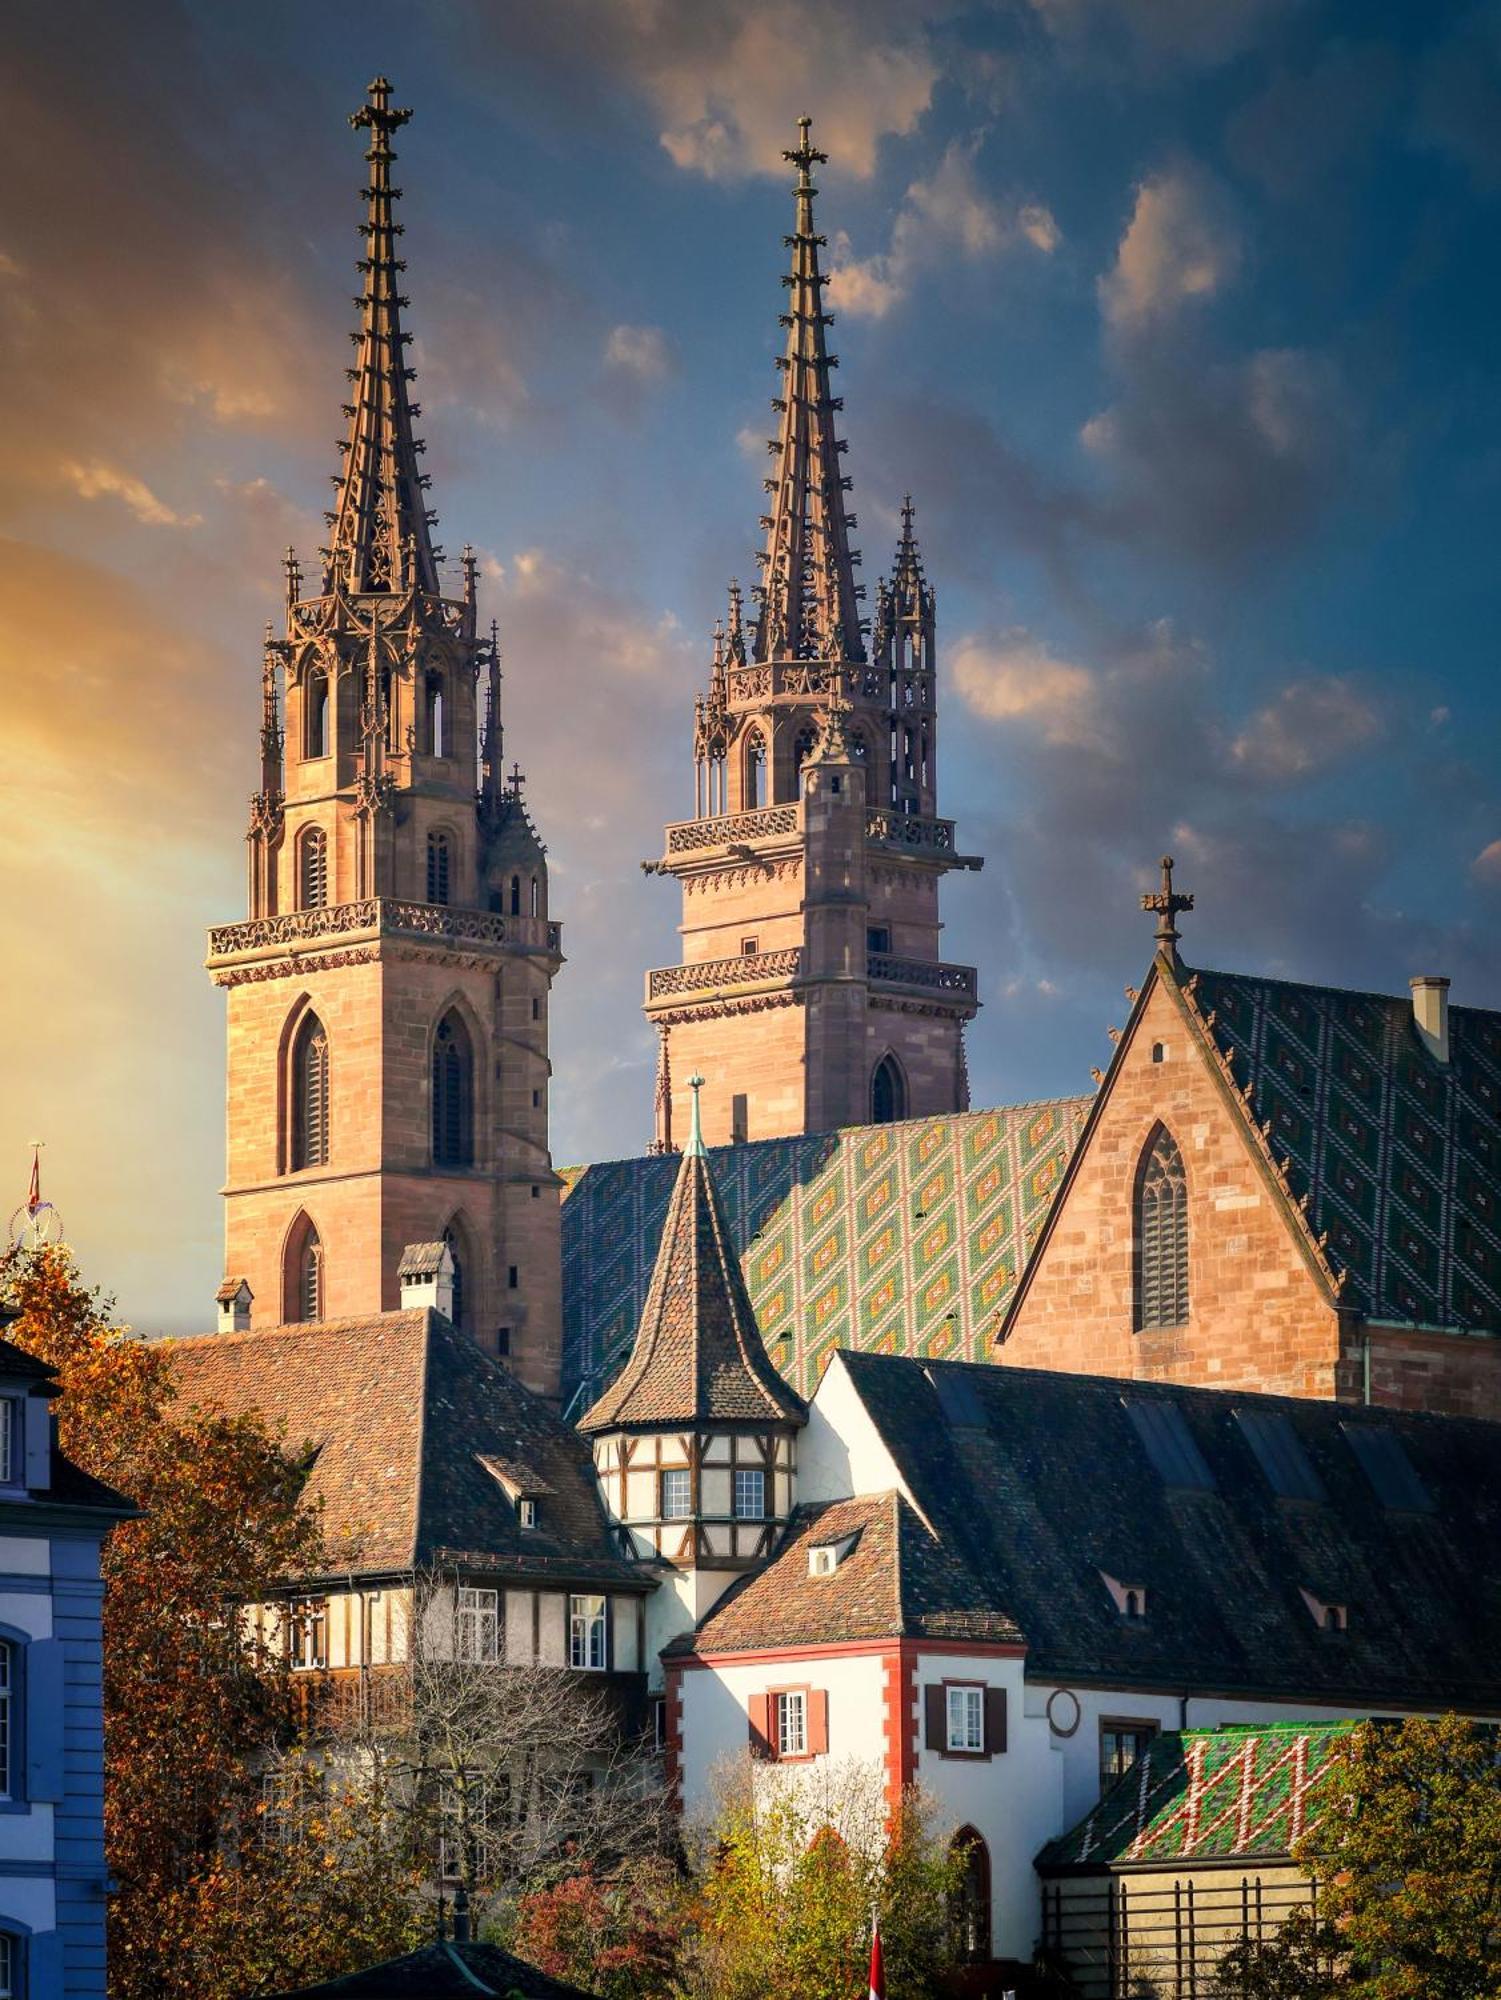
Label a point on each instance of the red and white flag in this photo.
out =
(877, 1970)
(34, 1192)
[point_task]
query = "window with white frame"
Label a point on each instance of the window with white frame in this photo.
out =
(477, 1624)
(307, 1633)
(10, 1960)
(791, 1721)
(12, 1450)
(677, 1494)
(526, 1513)
(7, 1717)
(586, 1633)
(473, 1807)
(965, 1719)
(750, 1493)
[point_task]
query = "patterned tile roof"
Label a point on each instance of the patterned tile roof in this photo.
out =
(1209, 1795)
(899, 1238)
(1035, 1482)
(1399, 1155)
(698, 1356)
(401, 1414)
(897, 1580)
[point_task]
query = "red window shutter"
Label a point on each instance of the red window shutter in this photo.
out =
(935, 1717)
(995, 1721)
(761, 1744)
(818, 1721)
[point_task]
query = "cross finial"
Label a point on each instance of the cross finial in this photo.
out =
(804, 155)
(1166, 904)
(517, 780)
(695, 1145)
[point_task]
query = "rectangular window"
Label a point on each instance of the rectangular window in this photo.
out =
(750, 1493)
(676, 1494)
(966, 1720)
(513, 1276)
(7, 1716)
(307, 1633)
(12, 1455)
(1121, 1743)
(739, 1118)
(526, 1513)
(9, 1984)
(477, 1624)
(791, 1723)
(586, 1633)
(749, 946)
(878, 938)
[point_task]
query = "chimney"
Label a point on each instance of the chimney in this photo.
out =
(425, 1275)
(1430, 1013)
(461, 1915)
(235, 1300)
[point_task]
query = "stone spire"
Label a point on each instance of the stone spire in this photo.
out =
(380, 539)
(1167, 904)
(698, 1356)
(809, 600)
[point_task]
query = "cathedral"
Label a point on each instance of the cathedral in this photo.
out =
(1016, 1448)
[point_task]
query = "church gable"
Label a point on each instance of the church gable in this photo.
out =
(1174, 1249)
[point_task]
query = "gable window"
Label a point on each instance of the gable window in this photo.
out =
(790, 1720)
(676, 1494)
(888, 1093)
(1121, 1744)
(477, 1624)
(1161, 1235)
(965, 1731)
(453, 1093)
(750, 1493)
(315, 714)
(307, 1633)
(439, 850)
(312, 873)
(586, 1633)
(310, 1096)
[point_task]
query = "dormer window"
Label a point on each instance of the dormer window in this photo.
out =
(526, 1513)
(825, 1557)
(1129, 1599)
(1328, 1617)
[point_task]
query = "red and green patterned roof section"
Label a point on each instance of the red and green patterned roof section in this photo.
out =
(1399, 1154)
(1247, 1793)
(896, 1239)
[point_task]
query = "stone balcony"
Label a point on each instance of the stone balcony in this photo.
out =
(234, 950)
(762, 971)
(707, 840)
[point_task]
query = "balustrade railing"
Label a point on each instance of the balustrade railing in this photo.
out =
(685, 836)
(924, 972)
(898, 829)
(383, 917)
(750, 969)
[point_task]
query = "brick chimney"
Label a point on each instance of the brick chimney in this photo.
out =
(234, 1298)
(1430, 1013)
(426, 1276)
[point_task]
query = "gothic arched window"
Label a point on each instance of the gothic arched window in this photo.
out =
(453, 1095)
(315, 714)
(888, 1093)
(312, 869)
(437, 735)
(536, 898)
(438, 855)
(310, 1095)
(970, 1910)
(515, 895)
(304, 1290)
(805, 743)
(1161, 1234)
(755, 773)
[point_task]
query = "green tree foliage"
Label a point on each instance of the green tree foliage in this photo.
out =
(1408, 1855)
(1298, 1961)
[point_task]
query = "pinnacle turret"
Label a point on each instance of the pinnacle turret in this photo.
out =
(380, 537)
(808, 597)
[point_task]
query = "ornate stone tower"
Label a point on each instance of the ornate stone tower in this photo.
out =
(811, 989)
(388, 1064)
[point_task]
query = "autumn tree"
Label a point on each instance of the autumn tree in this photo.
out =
(195, 1707)
(619, 1929)
(1299, 1960)
(1408, 1858)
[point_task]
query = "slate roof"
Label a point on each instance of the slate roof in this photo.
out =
(896, 1581)
(903, 1238)
(444, 1971)
(1247, 1793)
(400, 1412)
(698, 1356)
(1398, 1153)
(1033, 1482)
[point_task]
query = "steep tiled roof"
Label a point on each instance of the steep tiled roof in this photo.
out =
(698, 1356)
(1034, 1482)
(897, 1580)
(1209, 1794)
(899, 1238)
(441, 1970)
(400, 1413)
(1398, 1154)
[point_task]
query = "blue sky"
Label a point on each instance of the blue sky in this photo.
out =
(1179, 321)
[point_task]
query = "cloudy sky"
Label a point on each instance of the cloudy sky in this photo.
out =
(1178, 317)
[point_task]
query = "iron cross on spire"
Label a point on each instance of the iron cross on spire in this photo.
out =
(1166, 904)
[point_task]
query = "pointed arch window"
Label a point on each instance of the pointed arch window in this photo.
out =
(1161, 1234)
(536, 897)
(315, 714)
(970, 1910)
(310, 1105)
(439, 867)
(305, 1289)
(453, 1095)
(755, 773)
(888, 1092)
(312, 869)
(436, 717)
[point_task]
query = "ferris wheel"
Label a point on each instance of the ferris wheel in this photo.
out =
(36, 1223)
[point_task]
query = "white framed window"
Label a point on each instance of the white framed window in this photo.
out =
(477, 1624)
(791, 1723)
(307, 1633)
(586, 1633)
(750, 1493)
(526, 1513)
(7, 1721)
(677, 1494)
(965, 1719)
(12, 1447)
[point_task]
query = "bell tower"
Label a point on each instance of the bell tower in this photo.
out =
(388, 1064)
(811, 989)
